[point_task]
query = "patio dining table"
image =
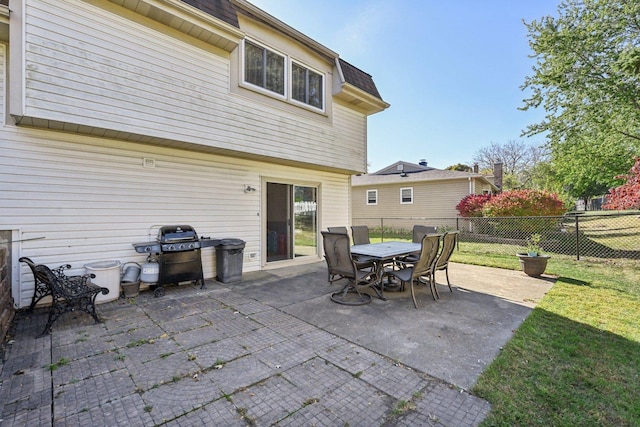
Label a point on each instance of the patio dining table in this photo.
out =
(383, 253)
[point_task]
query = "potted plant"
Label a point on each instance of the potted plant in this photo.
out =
(533, 262)
(533, 245)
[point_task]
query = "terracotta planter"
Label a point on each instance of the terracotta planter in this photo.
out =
(533, 266)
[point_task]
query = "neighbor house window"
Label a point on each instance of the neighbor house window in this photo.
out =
(264, 68)
(372, 197)
(306, 86)
(406, 195)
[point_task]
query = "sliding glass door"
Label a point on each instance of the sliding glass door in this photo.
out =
(292, 221)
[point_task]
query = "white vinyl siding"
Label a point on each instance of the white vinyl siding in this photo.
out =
(89, 199)
(91, 68)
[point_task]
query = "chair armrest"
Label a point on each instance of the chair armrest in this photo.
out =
(59, 271)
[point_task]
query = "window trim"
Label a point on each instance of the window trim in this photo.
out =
(288, 78)
(367, 197)
(402, 202)
(261, 89)
(290, 85)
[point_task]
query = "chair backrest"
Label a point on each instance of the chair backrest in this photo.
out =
(448, 245)
(342, 230)
(38, 276)
(337, 252)
(45, 275)
(428, 254)
(360, 234)
(419, 231)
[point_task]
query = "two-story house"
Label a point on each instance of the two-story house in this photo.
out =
(124, 115)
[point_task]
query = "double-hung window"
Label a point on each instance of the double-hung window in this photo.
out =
(306, 86)
(264, 68)
(372, 197)
(406, 196)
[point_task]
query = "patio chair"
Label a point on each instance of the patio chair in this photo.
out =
(449, 242)
(69, 294)
(423, 268)
(419, 231)
(332, 276)
(361, 260)
(342, 230)
(337, 253)
(41, 289)
(360, 234)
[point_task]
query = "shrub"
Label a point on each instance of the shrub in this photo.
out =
(524, 203)
(471, 205)
(626, 196)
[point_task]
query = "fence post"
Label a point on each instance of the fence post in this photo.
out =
(458, 228)
(382, 229)
(577, 237)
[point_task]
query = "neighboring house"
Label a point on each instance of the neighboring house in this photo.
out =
(409, 190)
(120, 116)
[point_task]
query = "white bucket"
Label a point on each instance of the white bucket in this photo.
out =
(108, 276)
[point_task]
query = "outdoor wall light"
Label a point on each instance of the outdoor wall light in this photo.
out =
(249, 189)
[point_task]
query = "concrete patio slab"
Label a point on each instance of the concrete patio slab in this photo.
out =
(271, 349)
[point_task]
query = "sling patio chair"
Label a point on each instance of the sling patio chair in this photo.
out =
(360, 234)
(361, 261)
(422, 269)
(419, 231)
(340, 263)
(449, 242)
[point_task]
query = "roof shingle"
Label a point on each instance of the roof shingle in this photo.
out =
(221, 9)
(358, 78)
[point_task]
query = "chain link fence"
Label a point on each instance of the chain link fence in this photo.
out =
(578, 235)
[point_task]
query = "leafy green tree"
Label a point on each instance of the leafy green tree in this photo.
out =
(459, 167)
(587, 78)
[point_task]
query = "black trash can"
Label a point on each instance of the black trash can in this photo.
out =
(229, 254)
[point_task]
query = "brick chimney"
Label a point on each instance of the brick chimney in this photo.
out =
(497, 175)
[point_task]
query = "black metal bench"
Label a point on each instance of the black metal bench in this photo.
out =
(68, 293)
(41, 289)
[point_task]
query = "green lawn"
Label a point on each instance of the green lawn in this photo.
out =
(575, 361)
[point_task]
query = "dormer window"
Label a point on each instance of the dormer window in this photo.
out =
(276, 74)
(306, 86)
(264, 68)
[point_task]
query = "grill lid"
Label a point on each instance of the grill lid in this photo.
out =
(177, 233)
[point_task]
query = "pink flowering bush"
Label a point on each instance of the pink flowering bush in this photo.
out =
(513, 203)
(471, 205)
(524, 203)
(626, 196)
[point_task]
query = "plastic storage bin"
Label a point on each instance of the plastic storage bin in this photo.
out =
(108, 276)
(229, 254)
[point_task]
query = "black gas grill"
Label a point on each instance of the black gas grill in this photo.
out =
(178, 254)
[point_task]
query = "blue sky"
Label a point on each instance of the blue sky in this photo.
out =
(451, 70)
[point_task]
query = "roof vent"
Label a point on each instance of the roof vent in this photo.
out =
(423, 162)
